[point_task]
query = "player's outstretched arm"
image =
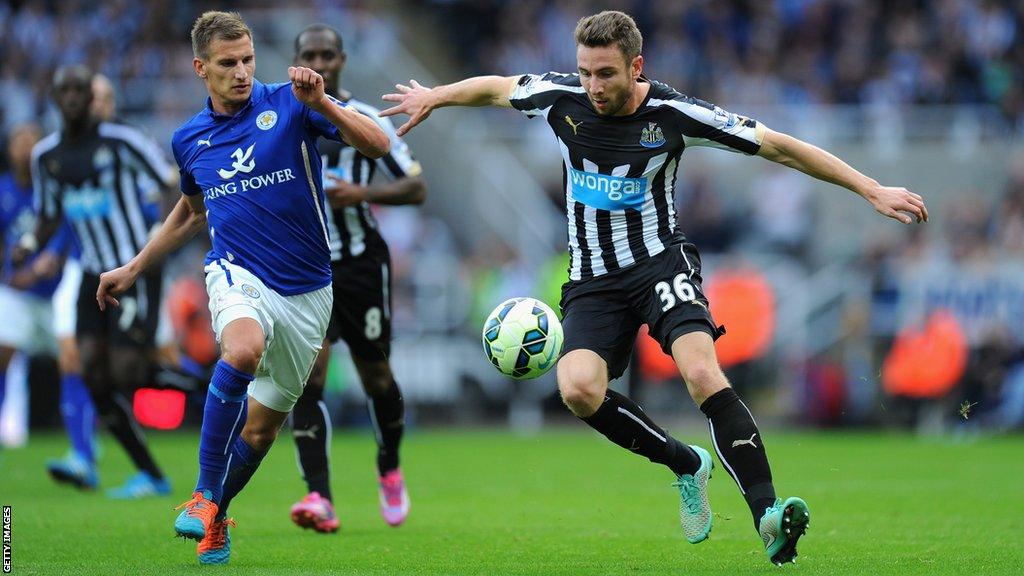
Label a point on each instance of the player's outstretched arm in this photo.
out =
(895, 202)
(186, 220)
(357, 130)
(401, 192)
(418, 101)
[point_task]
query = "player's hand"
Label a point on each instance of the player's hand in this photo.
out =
(415, 100)
(307, 86)
(898, 203)
(341, 194)
(19, 254)
(114, 283)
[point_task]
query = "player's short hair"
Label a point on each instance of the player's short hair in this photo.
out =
(213, 25)
(340, 45)
(610, 27)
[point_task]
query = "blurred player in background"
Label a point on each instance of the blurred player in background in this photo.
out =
(361, 267)
(26, 290)
(250, 176)
(92, 174)
(174, 368)
(621, 136)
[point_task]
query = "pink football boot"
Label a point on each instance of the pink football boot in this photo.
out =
(316, 512)
(394, 499)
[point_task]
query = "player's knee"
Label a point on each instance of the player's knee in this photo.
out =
(130, 368)
(243, 353)
(376, 377)
(703, 378)
(581, 388)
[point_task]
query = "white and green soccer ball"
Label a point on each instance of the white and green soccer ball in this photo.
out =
(522, 338)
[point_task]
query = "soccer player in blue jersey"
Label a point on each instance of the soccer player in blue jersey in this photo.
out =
(25, 298)
(250, 175)
(621, 136)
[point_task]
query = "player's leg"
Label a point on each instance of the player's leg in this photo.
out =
(15, 331)
(130, 368)
(290, 356)
(740, 446)
(76, 406)
(599, 334)
(365, 324)
(128, 332)
(600, 328)
(683, 325)
(311, 429)
(241, 326)
(387, 414)
(224, 415)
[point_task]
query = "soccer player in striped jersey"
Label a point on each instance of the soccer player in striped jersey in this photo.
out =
(97, 177)
(621, 136)
(250, 176)
(361, 266)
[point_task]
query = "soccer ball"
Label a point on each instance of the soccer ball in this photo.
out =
(522, 338)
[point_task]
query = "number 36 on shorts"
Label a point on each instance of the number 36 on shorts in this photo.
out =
(681, 290)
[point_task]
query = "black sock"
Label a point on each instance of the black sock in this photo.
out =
(741, 448)
(387, 412)
(311, 428)
(116, 415)
(626, 424)
(244, 462)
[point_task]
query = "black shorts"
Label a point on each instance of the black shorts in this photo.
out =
(603, 314)
(362, 304)
(133, 324)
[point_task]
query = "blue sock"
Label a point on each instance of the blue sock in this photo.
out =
(223, 419)
(244, 461)
(79, 415)
(3, 387)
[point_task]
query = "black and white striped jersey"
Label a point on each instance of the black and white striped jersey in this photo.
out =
(104, 183)
(619, 172)
(353, 229)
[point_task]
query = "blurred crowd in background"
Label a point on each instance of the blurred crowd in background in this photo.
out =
(949, 295)
(778, 52)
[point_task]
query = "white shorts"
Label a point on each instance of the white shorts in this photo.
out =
(27, 322)
(294, 329)
(65, 300)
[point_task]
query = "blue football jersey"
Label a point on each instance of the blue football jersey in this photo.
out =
(259, 174)
(18, 217)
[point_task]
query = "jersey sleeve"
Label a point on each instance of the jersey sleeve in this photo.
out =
(186, 182)
(62, 242)
(318, 124)
(142, 150)
(534, 94)
(704, 124)
(44, 189)
(399, 161)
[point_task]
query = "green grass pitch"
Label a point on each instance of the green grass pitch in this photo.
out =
(562, 502)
